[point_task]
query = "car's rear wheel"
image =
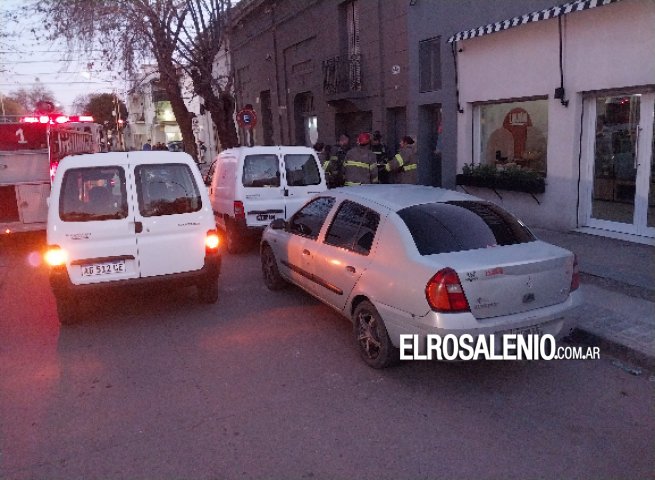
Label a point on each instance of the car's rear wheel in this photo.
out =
(372, 339)
(208, 290)
(272, 277)
(68, 308)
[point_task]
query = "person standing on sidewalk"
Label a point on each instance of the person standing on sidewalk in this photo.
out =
(403, 166)
(361, 165)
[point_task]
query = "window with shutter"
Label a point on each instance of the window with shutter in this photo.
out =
(429, 59)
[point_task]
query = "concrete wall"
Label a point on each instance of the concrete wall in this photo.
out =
(609, 47)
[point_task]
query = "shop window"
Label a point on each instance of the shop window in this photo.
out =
(513, 135)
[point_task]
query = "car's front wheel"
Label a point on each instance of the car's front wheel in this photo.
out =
(272, 277)
(372, 339)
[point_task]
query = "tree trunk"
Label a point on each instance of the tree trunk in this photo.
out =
(220, 108)
(182, 115)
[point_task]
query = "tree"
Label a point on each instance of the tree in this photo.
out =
(11, 106)
(28, 98)
(183, 36)
(102, 106)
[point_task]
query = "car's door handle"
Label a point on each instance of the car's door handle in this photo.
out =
(306, 252)
(138, 227)
(350, 269)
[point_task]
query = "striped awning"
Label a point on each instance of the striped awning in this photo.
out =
(553, 12)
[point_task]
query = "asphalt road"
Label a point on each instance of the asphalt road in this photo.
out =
(269, 385)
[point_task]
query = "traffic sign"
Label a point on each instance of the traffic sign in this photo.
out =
(247, 118)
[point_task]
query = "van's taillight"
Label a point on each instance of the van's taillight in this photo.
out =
(55, 256)
(444, 292)
(239, 211)
(212, 241)
(575, 278)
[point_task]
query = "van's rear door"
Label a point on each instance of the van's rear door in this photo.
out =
(171, 217)
(94, 220)
(262, 191)
(304, 178)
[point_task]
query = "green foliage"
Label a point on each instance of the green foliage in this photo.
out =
(102, 106)
(510, 178)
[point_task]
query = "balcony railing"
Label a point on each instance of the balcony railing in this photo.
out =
(342, 74)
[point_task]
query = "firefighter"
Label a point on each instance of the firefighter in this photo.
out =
(403, 166)
(333, 162)
(361, 164)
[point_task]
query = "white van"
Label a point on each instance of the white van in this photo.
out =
(124, 218)
(252, 186)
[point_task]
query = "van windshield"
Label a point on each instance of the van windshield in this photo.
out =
(93, 194)
(301, 170)
(261, 171)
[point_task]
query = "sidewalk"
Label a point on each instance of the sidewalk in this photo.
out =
(618, 283)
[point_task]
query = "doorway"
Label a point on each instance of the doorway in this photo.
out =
(396, 128)
(618, 149)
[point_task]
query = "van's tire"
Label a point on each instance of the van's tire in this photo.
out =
(272, 278)
(235, 242)
(208, 291)
(372, 338)
(68, 308)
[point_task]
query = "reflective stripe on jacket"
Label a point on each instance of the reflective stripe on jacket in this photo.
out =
(403, 166)
(360, 166)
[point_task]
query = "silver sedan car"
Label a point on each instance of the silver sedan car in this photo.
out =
(408, 259)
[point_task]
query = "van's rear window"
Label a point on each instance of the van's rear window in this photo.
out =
(261, 171)
(166, 189)
(93, 194)
(462, 225)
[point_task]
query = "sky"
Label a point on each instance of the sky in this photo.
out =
(25, 58)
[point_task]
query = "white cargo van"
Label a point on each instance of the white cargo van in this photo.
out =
(124, 218)
(252, 186)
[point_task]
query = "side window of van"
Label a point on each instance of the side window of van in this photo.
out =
(93, 194)
(166, 189)
(261, 171)
(301, 170)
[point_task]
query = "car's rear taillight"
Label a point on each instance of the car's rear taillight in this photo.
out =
(53, 170)
(444, 292)
(239, 211)
(55, 256)
(575, 278)
(212, 241)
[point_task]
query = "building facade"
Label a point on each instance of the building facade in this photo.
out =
(312, 70)
(573, 98)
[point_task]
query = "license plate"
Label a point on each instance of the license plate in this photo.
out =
(98, 269)
(532, 330)
(265, 216)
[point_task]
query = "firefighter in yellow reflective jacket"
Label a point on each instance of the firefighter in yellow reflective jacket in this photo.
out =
(403, 166)
(361, 163)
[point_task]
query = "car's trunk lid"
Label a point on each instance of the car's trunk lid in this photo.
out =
(505, 280)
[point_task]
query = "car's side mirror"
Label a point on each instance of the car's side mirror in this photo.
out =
(279, 224)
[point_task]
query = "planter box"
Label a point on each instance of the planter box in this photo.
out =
(503, 182)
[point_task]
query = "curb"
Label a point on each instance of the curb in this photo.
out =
(614, 348)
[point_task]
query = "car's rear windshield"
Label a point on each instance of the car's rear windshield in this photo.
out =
(462, 225)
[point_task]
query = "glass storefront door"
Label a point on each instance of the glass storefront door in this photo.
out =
(621, 196)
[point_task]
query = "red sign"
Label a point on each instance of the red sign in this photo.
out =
(247, 118)
(23, 136)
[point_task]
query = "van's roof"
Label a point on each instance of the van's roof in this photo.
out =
(124, 158)
(274, 149)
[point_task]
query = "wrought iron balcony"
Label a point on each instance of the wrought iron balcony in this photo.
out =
(342, 74)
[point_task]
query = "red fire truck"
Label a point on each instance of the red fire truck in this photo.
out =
(30, 151)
